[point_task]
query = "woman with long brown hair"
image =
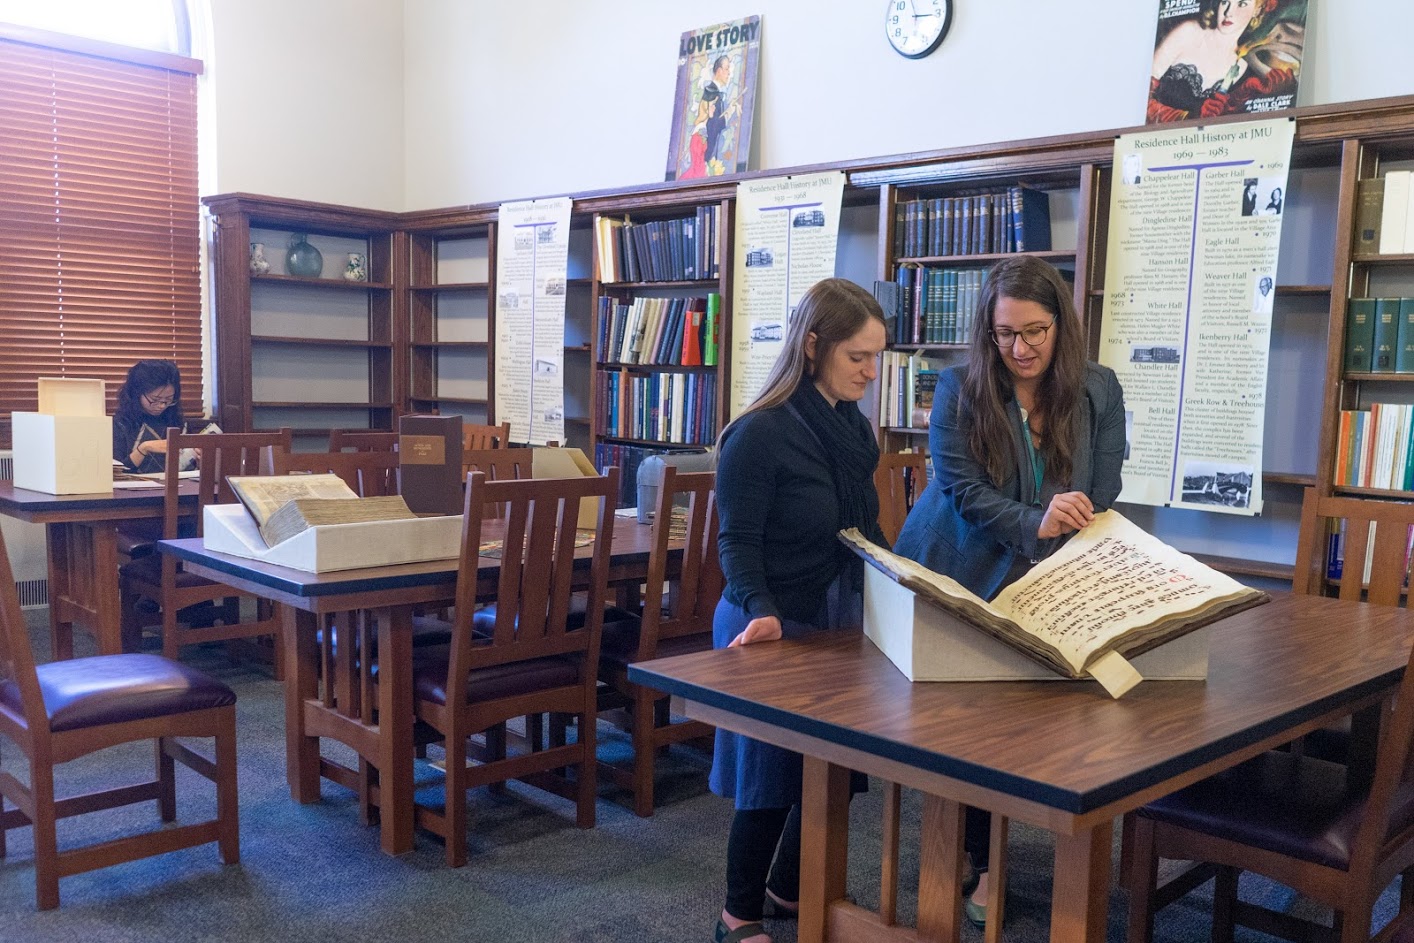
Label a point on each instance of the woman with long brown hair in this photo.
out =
(1027, 440)
(795, 467)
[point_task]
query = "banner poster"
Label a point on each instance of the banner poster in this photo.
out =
(532, 262)
(1225, 57)
(1195, 225)
(786, 231)
(715, 101)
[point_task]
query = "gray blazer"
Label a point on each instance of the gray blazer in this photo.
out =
(984, 536)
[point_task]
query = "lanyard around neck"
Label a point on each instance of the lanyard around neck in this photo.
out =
(1037, 466)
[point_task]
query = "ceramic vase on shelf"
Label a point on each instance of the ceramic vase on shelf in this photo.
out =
(259, 264)
(303, 259)
(357, 268)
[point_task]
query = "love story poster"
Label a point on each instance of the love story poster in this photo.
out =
(715, 101)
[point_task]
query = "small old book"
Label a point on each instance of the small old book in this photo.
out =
(1112, 592)
(300, 514)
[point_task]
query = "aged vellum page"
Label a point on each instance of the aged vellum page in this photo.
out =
(1111, 588)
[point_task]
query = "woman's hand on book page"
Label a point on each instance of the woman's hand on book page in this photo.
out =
(763, 629)
(1069, 511)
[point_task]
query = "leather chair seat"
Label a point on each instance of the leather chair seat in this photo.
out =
(139, 538)
(429, 676)
(1292, 805)
(111, 689)
(619, 645)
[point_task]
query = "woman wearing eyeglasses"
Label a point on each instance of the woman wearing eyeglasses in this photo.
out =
(149, 402)
(1027, 440)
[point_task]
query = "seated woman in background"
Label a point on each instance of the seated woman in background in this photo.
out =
(149, 402)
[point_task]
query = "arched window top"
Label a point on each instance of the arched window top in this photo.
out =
(159, 25)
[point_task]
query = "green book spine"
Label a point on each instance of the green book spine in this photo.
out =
(1404, 353)
(1360, 335)
(1386, 333)
(710, 329)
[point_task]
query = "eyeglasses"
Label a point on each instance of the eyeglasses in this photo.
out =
(1034, 336)
(157, 403)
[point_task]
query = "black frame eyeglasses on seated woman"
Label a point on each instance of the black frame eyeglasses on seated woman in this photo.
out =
(1033, 336)
(158, 403)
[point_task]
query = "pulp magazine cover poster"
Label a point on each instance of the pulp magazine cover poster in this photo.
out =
(715, 100)
(1225, 57)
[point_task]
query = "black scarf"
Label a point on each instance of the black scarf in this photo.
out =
(848, 442)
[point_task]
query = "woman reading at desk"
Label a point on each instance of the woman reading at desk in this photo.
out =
(796, 467)
(1027, 440)
(149, 402)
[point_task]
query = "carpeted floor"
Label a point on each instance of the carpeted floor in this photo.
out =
(313, 873)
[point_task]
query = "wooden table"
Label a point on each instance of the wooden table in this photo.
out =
(391, 593)
(81, 530)
(1060, 755)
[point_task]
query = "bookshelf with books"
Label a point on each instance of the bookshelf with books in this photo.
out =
(1369, 417)
(315, 350)
(941, 227)
(660, 326)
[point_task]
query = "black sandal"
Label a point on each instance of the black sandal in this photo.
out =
(725, 934)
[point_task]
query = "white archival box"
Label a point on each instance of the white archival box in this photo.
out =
(567, 463)
(67, 446)
(229, 528)
(928, 644)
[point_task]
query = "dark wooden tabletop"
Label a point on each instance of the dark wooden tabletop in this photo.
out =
(630, 549)
(1064, 744)
(27, 505)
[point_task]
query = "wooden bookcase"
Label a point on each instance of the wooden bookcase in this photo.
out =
(1363, 274)
(315, 353)
(614, 426)
(451, 302)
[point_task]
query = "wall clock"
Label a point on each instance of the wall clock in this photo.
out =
(916, 27)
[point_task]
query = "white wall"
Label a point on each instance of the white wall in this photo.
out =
(512, 100)
(309, 99)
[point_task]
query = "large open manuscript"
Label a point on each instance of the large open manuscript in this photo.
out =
(1113, 591)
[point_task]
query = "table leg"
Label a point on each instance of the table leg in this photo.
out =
(83, 585)
(301, 684)
(1081, 885)
(395, 730)
(940, 870)
(61, 625)
(824, 844)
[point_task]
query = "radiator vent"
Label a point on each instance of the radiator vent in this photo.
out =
(26, 546)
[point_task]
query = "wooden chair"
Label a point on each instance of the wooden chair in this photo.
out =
(371, 474)
(63, 710)
(161, 579)
(498, 464)
(532, 661)
(674, 622)
(486, 437)
(1332, 831)
(899, 479)
(362, 440)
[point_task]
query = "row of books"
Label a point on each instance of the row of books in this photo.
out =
(906, 385)
(1017, 219)
(1375, 447)
(936, 305)
(662, 250)
(1379, 335)
(1335, 554)
(682, 331)
(1384, 214)
(663, 407)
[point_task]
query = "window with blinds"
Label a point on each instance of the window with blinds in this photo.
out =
(99, 225)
